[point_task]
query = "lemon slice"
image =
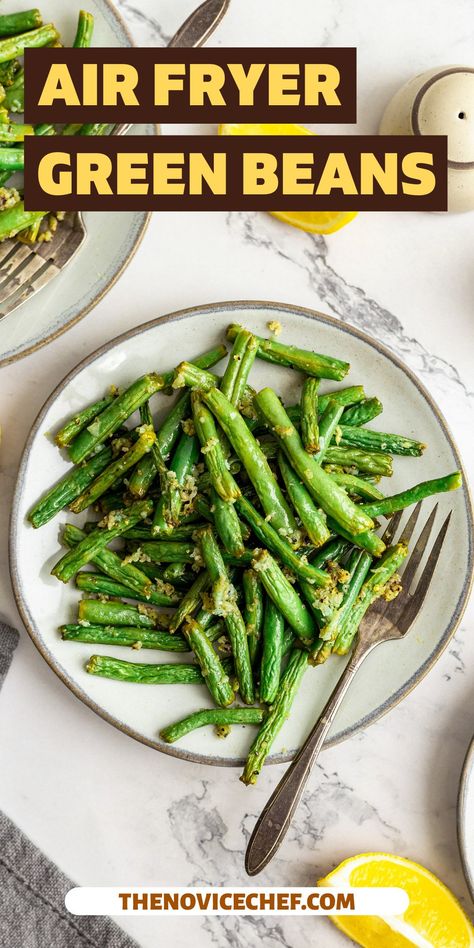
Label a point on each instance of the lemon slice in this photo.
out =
(433, 919)
(313, 222)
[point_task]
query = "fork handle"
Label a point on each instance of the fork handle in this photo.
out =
(273, 823)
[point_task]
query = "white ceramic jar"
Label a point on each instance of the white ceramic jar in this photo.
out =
(440, 102)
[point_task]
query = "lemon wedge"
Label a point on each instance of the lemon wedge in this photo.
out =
(433, 919)
(313, 222)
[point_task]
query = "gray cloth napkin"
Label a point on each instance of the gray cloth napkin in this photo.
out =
(32, 911)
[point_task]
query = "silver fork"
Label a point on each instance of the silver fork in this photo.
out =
(383, 622)
(24, 270)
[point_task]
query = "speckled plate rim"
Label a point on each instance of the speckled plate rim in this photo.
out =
(467, 775)
(129, 255)
(200, 311)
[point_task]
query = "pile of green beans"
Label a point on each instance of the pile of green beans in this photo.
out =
(256, 556)
(20, 31)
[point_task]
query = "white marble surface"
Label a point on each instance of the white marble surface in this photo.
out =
(110, 811)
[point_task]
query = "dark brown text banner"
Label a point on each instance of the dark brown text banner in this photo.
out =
(203, 173)
(190, 85)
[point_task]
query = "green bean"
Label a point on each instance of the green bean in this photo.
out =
(309, 415)
(94, 128)
(10, 134)
(213, 670)
(311, 517)
(253, 611)
(368, 440)
(227, 525)
(363, 412)
(168, 551)
(13, 23)
(14, 46)
(242, 396)
(120, 670)
(343, 396)
(85, 30)
(103, 586)
(12, 159)
(97, 612)
(334, 551)
(376, 585)
(185, 531)
(272, 652)
(241, 359)
(114, 472)
(256, 465)
(225, 603)
(364, 461)
(91, 545)
(191, 601)
(284, 595)
(266, 534)
(13, 101)
(311, 363)
(328, 426)
(132, 636)
(69, 487)
(278, 713)
(78, 422)
(169, 508)
(139, 392)
(156, 593)
(329, 495)
(368, 540)
(211, 447)
(176, 573)
(389, 505)
(166, 438)
(112, 417)
(228, 381)
(356, 485)
(186, 373)
(217, 717)
(159, 464)
(331, 630)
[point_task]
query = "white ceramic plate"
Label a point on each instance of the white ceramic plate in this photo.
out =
(466, 818)
(112, 238)
(388, 674)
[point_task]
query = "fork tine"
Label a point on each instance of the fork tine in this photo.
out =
(415, 558)
(392, 527)
(411, 524)
(43, 275)
(427, 574)
(424, 582)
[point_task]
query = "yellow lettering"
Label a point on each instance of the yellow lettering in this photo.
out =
(168, 173)
(259, 173)
(92, 172)
(371, 170)
(89, 84)
(336, 174)
(131, 172)
(282, 87)
(214, 175)
(168, 78)
(59, 87)
(321, 79)
(120, 80)
(206, 79)
(297, 169)
(424, 180)
(246, 81)
(57, 184)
